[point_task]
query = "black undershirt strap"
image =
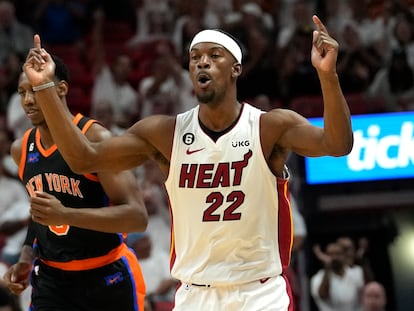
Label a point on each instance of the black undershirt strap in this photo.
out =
(216, 135)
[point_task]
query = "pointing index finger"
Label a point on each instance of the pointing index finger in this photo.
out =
(321, 27)
(36, 42)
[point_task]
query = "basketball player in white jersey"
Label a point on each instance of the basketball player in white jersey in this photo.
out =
(224, 163)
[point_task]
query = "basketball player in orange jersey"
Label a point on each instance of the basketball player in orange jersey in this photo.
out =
(74, 253)
(224, 163)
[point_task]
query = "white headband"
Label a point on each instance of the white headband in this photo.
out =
(218, 37)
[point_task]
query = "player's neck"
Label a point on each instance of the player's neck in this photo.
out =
(216, 127)
(45, 137)
(219, 117)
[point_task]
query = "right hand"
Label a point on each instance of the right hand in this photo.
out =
(39, 66)
(17, 277)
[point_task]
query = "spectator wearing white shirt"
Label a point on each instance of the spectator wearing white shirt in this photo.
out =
(168, 90)
(335, 287)
(13, 225)
(112, 84)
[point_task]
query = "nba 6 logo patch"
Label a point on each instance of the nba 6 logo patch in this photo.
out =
(33, 157)
(188, 138)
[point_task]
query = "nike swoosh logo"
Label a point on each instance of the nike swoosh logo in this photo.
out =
(112, 281)
(188, 151)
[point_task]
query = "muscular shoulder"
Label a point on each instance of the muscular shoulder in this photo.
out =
(275, 123)
(157, 129)
(281, 117)
(273, 128)
(157, 133)
(97, 132)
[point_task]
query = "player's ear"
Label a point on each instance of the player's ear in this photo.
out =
(63, 88)
(236, 70)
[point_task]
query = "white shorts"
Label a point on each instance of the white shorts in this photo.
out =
(272, 294)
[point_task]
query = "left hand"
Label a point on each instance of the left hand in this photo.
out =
(324, 49)
(46, 209)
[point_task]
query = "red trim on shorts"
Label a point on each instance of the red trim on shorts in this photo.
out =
(289, 292)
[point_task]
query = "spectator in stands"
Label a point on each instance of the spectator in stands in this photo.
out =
(259, 71)
(103, 112)
(12, 67)
(337, 15)
(112, 84)
(151, 182)
(14, 208)
(335, 287)
(154, 20)
(4, 97)
(297, 16)
(13, 226)
(17, 121)
(111, 78)
(154, 266)
(168, 90)
(356, 259)
(59, 22)
(296, 73)
(402, 35)
(300, 230)
(357, 62)
(120, 10)
(14, 35)
(394, 83)
(188, 23)
(370, 21)
(374, 297)
(6, 138)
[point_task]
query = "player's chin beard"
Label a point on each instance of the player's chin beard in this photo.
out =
(206, 97)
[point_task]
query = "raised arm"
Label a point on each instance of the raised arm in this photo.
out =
(336, 137)
(337, 122)
(82, 155)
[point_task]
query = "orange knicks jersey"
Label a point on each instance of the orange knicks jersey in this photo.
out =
(45, 170)
(231, 220)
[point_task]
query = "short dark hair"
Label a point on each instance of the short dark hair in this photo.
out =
(61, 70)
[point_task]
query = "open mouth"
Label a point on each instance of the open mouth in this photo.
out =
(203, 79)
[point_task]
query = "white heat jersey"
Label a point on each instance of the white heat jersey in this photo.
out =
(231, 220)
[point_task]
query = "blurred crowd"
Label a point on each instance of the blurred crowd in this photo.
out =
(128, 60)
